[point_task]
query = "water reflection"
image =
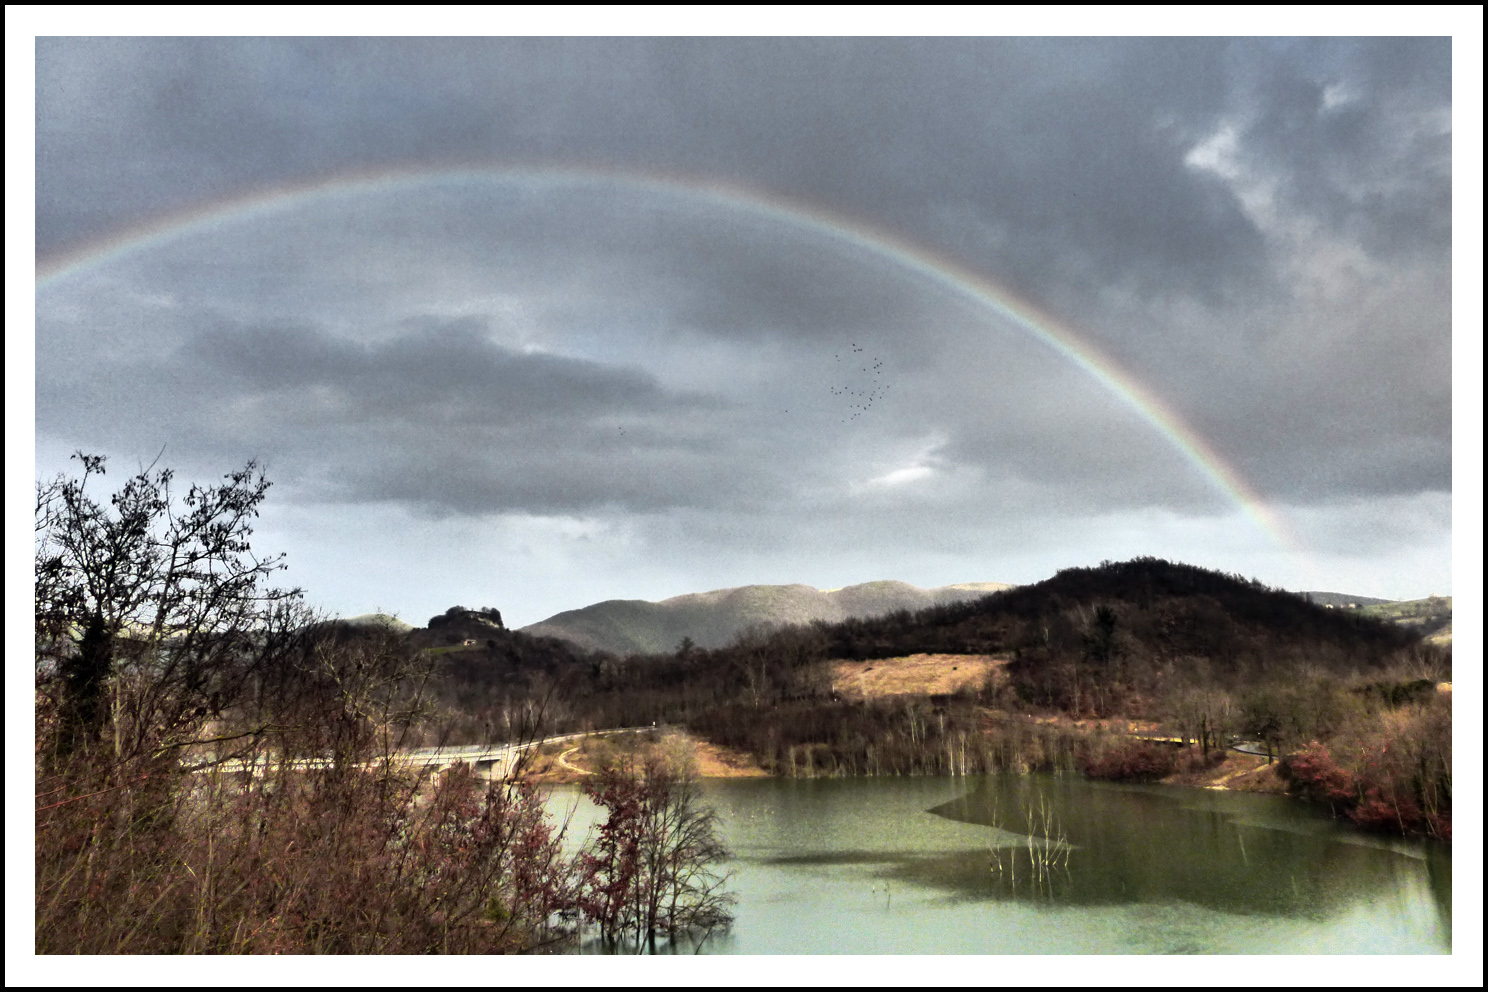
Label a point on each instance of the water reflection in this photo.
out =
(912, 866)
(1143, 846)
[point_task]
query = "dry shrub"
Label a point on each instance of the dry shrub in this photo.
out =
(107, 880)
(164, 661)
(654, 868)
(1131, 760)
(355, 862)
(346, 853)
(1193, 760)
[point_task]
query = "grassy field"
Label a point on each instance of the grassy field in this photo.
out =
(1411, 609)
(916, 674)
(1432, 616)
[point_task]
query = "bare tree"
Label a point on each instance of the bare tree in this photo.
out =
(655, 867)
(152, 612)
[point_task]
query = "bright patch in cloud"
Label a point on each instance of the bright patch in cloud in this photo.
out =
(903, 476)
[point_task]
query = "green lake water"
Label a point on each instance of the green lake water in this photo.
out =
(944, 866)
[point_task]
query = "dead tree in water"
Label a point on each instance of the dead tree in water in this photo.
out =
(654, 867)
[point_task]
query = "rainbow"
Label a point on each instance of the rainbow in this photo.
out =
(770, 206)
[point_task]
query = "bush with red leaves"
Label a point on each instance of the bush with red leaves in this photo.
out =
(1132, 761)
(1312, 773)
(1383, 794)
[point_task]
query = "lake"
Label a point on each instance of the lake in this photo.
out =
(946, 866)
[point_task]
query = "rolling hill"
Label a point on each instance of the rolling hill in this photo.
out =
(1430, 617)
(714, 619)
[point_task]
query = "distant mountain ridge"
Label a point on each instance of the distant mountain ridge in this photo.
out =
(713, 619)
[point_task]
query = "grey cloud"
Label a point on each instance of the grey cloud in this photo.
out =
(1057, 166)
(444, 476)
(1069, 148)
(1359, 133)
(449, 367)
(438, 418)
(437, 415)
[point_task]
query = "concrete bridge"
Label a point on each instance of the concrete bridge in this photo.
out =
(488, 760)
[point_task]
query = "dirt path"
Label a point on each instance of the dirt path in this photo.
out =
(706, 759)
(1240, 773)
(1224, 780)
(563, 760)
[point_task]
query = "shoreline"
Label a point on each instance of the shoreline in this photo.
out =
(566, 764)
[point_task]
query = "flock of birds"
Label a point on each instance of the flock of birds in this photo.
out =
(871, 389)
(864, 394)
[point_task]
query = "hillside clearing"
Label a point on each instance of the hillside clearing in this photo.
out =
(914, 675)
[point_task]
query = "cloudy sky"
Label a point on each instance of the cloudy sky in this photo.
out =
(533, 322)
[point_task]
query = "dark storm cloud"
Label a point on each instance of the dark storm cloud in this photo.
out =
(438, 418)
(745, 283)
(1064, 168)
(1359, 133)
(1029, 152)
(551, 475)
(448, 368)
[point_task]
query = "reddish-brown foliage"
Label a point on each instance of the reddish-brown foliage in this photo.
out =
(1396, 780)
(1313, 774)
(653, 868)
(354, 862)
(1132, 761)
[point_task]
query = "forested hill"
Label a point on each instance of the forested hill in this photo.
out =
(1122, 637)
(714, 619)
(1142, 611)
(1131, 623)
